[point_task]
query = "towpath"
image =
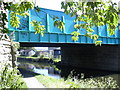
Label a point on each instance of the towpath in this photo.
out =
(30, 80)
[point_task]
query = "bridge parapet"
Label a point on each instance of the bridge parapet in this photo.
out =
(26, 33)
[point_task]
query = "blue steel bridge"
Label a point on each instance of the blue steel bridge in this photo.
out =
(26, 33)
(82, 53)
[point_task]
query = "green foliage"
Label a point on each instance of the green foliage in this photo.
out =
(41, 56)
(98, 43)
(73, 82)
(49, 82)
(19, 9)
(3, 18)
(59, 24)
(75, 35)
(10, 77)
(77, 26)
(37, 9)
(24, 85)
(100, 82)
(92, 14)
(56, 60)
(16, 9)
(33, 57)
(39, 28)
(15, 20)
(16, 45)
(95, 37)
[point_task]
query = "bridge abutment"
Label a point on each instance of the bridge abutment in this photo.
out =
(105, 57)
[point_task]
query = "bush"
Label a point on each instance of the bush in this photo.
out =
(74, 82)
(56, 60)
(41, 56)
(99, 82)
(10, 77)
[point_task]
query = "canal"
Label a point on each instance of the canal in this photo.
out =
(60, 71)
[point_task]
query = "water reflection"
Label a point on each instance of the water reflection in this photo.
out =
(47, 72)
(40, 68)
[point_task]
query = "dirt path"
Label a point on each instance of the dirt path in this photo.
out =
(30, 80)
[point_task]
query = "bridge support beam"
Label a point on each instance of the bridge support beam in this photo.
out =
(105, 57)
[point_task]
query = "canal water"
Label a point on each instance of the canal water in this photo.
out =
(58, 71)
(39, 68)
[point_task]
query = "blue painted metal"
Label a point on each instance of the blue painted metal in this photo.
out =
(26, 33)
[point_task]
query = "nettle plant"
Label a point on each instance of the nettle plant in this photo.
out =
(9, 77)
(96, 82)
(88, 14)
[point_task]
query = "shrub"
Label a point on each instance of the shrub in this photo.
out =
(74, 82)
(41, 56)
(10, 77)
(99, 82)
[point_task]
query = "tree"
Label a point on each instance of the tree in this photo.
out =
(88, 14)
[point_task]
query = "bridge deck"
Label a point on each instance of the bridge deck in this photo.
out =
(25, 33)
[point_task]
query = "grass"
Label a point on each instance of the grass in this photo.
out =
(100, 82)
(32, 57)
(57, 60)
(51, 82)
(28, 57)
(24, 84)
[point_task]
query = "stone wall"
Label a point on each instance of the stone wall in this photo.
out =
(5, 49)
(7, 52)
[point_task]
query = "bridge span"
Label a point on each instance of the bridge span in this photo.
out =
(26, 33)
(82, 53)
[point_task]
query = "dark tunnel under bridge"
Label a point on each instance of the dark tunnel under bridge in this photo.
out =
(87, 56)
